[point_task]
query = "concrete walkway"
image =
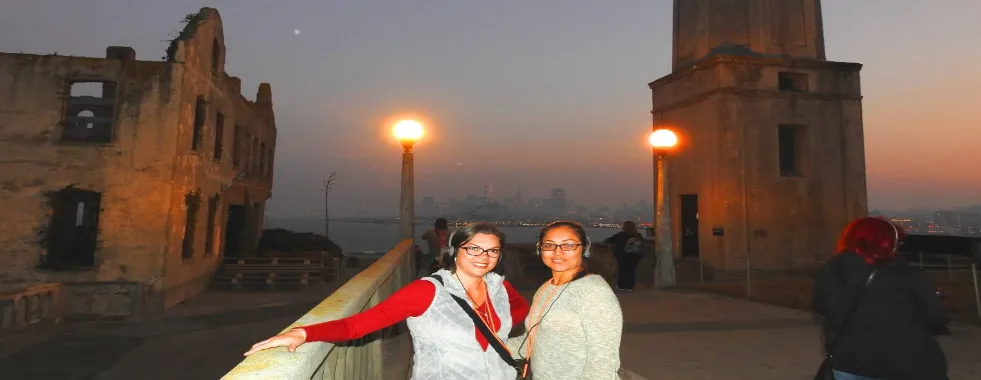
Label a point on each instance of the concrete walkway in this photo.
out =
(682, 335)
(667, 335)
(200, 339)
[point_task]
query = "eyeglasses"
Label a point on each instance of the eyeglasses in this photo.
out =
(476, 251)
(568, 247)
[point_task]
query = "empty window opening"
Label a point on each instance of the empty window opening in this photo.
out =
(256, 156)
(71, 237)
(792, 150)
(84, 119)
(91, 112)
(209, 240)
(219, 136)
(262, 159)
(236, 150)
(792, 82)
(199, 116)
(215, 55)
(248, 154)
(269, 163)
(192, 204)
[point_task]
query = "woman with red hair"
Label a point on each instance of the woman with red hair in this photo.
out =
(880, 313)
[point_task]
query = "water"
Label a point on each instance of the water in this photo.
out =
(363, 237)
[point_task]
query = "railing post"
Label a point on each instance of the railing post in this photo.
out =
(701, 272)
(950, 269)
(920, 254)
(749, 276)
(977, 297)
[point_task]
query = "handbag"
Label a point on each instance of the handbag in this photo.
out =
(824, 372)
(491, 338)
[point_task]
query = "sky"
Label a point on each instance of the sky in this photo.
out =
(541, 94)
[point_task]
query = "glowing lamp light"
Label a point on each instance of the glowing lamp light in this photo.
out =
(663, 139)
(408, 130)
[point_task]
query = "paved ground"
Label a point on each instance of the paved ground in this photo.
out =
(200, 339)
(668, 335)
(680, 335)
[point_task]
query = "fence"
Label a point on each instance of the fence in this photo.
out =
(955, 275)
(362, 358)
(30, 306)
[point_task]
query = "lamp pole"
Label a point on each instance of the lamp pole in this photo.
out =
(663, 140)
(407, 209)
(328, 184)
(408, 132)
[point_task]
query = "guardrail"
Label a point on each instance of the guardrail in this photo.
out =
(358, 359)
(30, 306)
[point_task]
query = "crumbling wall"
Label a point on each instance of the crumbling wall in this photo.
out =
(130, 167)
(234, 173)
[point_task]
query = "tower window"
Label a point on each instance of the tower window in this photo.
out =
(792, 148)
(792, 82)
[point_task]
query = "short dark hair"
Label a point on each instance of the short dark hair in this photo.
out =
(575, 227)
(629, 223)
(441, 224)
(462, 236)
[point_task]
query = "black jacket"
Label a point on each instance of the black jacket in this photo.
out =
(892, 335)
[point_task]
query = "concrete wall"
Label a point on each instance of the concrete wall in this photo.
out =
(726, 111)
(143, 172)
(763, 28)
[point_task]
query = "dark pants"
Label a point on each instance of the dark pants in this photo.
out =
(627, 270)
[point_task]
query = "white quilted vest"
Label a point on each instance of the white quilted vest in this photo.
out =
(444, 337)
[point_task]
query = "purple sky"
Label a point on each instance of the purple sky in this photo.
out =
(546, 93)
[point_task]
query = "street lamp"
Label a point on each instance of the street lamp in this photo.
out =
(663, 141)
(407, 132)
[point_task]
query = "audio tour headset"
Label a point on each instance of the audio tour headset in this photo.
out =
(585, 246)
(449, 250)
(895, 243)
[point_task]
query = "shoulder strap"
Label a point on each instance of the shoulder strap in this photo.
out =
(492, 339)
(841, 331)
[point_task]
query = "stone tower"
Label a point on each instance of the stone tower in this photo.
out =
(771, 159)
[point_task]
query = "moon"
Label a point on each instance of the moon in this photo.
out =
(296, 31)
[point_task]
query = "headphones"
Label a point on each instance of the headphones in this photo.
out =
(585, 247)
(449, 250)
(895, 243)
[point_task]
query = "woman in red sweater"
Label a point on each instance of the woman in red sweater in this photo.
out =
(446, 341)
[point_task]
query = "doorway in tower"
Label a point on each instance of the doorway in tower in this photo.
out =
(689, 225)
(235, 226)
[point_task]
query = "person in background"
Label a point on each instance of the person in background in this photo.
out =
(880, 313)
(446, 342)
(574, 328)
(628, 248)
(437, 238)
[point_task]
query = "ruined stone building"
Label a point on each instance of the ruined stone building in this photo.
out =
(128, 180)
(771, 159)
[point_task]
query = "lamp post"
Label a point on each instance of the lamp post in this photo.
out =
(663, 141)
(408, 132)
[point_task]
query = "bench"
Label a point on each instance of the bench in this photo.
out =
(272, 272)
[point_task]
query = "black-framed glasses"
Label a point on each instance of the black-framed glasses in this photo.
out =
(476, 251)
(568, 247)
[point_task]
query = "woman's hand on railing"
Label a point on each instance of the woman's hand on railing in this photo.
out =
(291, 339)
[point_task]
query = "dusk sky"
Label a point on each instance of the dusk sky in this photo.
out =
(544, 93)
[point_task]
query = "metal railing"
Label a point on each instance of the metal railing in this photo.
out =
(362, 358)
(30, 306)
(951, 264)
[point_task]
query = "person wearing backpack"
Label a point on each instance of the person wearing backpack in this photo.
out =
(628, 248)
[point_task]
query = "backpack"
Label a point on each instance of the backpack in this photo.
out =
(634, 245)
